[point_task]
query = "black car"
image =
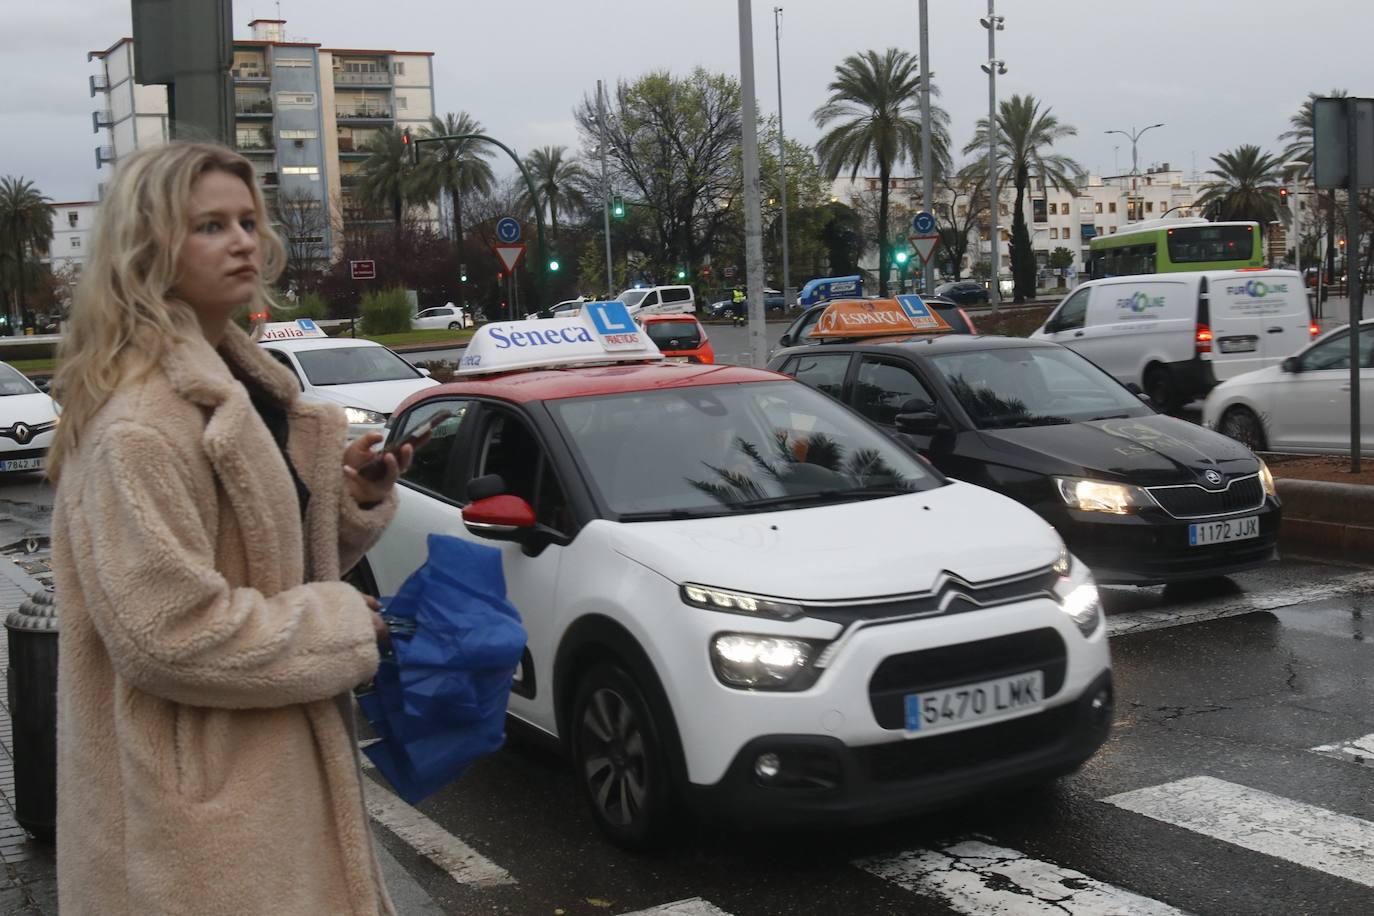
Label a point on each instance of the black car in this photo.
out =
(797, 331)
(963, 292)
(1141, 497)
(726, 308)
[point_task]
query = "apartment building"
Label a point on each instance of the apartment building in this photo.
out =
(72, 222)
(303, 114)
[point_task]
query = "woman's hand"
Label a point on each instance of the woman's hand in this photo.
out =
(378, 624)
(359, 452)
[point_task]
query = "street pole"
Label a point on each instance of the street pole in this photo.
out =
(782, 162)
(992, 23)
(605, 189)
(927, 178)
(1352, 271)
(753, 220)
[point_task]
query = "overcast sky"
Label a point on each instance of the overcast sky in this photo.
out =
(1219, 73)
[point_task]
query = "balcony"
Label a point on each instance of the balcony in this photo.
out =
(267, 179)
(104, 154)
(355, 78)
(253, 107)
(362, 113)
(251, 75)
(99, 119)
(99, 83)
(350, 180)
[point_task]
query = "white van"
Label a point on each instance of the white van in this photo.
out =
(660, 300)
(1177, 335)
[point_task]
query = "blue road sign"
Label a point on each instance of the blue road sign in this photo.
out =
(923, 223)
(508, 229)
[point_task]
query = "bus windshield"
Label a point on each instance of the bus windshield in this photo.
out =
(1191, 244)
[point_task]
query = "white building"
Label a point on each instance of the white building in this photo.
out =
(72, 222)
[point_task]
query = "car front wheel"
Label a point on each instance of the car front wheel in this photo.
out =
(1241, 424)
(454, 325)
(618, 750)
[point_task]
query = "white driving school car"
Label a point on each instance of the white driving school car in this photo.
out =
(28, 419)
(363, 377)
(742, 599)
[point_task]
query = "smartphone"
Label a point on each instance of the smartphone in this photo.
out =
(375, 468)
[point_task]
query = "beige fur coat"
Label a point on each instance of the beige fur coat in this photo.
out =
(206, 758)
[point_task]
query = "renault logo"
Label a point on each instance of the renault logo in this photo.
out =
(1213, 478)
(22, 434)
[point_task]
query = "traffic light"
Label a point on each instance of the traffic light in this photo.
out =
(900, 256)
(1283, 194)
(405, 137)
(500, 275)
(463, 273)
(681, 274)
(553, 265)
(618, 208)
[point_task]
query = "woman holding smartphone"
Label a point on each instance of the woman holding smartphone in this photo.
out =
(207, 761)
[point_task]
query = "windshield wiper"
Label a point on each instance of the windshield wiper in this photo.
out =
(666, 515)
(1022, 422)
(820, 497)
(1111, 416)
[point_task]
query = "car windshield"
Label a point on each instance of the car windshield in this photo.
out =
(732, 448)
(674, 335)
(352, 365)
(631, 297)
(12, 381)
(1033, 386)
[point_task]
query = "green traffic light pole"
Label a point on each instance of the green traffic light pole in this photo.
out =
(541, 276)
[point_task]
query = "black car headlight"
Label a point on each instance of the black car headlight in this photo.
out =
(1102, 495)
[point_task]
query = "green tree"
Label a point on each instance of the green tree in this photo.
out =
(876, 98)
(1024, 137)
(1246, 187)
(25, 233)
(1301, 144)
(558, 181)
(389, 178)
(455, 167)
(1061, 257)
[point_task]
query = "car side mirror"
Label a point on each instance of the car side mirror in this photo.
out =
(499, 518)
(918, 422)
(1291, 364)
(785, 340)
(423, 371)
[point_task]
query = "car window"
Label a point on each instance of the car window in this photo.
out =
(1072, 313)
(883, 389)
(433, 466)
(631, 297)
(352, 365)
(650, 299)
(675, 335)
(803, 326)
(676, 295)
(1332, 353)
(822, 371)
(285, 360)
(12, 381)
(426, 313)
(509, 448)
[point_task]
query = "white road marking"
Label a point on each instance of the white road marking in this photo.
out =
(1304, 834)
(1233, 606)
(979, 879)
(463, 863)
(692, 907)
(1360, 751)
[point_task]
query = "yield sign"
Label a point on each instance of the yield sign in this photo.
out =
(510, 255)
(925, 245)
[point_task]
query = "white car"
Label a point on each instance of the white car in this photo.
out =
(1302, 404)
(445, 316)
(743, 601)
(363, 377)
(28, 419)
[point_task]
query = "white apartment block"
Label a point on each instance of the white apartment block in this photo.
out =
(72, 222)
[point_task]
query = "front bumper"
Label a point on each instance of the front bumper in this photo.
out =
(825, 781)
(1152, 547)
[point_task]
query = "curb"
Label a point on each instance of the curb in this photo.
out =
(1322, 515)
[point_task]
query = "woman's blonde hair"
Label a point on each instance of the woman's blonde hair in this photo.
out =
(124, 315)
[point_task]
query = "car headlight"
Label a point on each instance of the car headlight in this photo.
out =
(756, 662)
(1077, 594)
(360, 417)
(1101, 496)
(717, 599)
(1267, 479)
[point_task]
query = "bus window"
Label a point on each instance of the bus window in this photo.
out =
(1191, 244)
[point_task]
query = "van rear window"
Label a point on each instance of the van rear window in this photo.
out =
(680, 294)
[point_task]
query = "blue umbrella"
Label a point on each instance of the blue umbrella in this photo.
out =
(438, 701)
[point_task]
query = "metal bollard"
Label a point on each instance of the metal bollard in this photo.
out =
(32, 635)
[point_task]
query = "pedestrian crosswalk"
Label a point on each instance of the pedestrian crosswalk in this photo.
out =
(1357, 750)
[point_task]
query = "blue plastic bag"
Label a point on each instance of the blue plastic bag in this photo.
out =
(439, 699)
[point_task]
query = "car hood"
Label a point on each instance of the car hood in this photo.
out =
(383, 397)
(888, 546)
(27, 408)
(1149, 450)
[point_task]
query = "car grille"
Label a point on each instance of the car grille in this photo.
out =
(998, 741)
(965, 663)
(952, 596)
(1193, 501)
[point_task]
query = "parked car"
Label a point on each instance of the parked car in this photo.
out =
(1302, 404)
(680, 338)
(1140, 497)
(565, 309)
(728, 308)
(963, 292)
(445, 316)
(28, 420)
(1177, 334)
(660, 300)
(797, 333)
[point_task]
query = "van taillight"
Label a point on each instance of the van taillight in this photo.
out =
(1204, 339)
(1313, 329)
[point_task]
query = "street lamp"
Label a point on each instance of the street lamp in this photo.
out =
(994, 67)
(1134, 136)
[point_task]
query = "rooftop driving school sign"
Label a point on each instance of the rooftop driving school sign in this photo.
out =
(601, 332)
(878, 317)
(300, 329)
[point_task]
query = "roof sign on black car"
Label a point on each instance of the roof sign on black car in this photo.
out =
(878, 317)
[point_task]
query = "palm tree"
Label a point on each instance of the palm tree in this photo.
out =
(558, 181)
(1024, 136)
(1246, 188)
(1300, 148)
(388, 175)
(455, 166)
(877, 99)
(25, 230)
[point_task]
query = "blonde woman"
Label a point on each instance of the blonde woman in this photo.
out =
(206, 756)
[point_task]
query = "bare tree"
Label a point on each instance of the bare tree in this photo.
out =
(303, 220)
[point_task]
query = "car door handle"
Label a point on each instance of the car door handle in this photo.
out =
(1077, 333)
(1275, 330)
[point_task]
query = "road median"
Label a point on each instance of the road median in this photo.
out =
(1321, 517)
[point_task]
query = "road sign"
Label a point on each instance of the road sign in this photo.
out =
(508, 229)
(362, 270)
(1331, 142)
(925, 245)
(923, 223)
(510, 255)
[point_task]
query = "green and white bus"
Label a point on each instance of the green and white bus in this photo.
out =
(1170, 246)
